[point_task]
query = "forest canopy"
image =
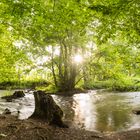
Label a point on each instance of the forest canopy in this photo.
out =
(70, 44)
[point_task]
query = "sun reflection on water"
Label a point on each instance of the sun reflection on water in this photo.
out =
(84, 109)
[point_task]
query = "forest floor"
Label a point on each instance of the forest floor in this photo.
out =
(12, 128)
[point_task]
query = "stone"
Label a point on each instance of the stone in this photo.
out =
(137, 112)
(7, 111)
(16, 95)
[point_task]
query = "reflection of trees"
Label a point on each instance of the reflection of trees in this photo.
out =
(66, 104)
(112, 114)
(80, 109)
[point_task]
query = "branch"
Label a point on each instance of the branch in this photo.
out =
(78, 80)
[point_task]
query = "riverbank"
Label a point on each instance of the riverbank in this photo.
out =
(31, 129)
(13, 129)
(116, 85)
(120, 84)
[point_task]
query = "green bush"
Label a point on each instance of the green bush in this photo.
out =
(23, 84)
(124, 83)
(49, 89)
(99, 84)
(117, 83)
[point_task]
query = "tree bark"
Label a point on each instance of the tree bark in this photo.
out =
(53, 70)
(46, 109)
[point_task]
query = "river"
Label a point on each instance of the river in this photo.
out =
(95, 110)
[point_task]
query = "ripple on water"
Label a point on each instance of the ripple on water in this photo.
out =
(101, 111)
(23, 105)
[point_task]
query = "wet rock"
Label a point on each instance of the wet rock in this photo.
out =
(9, 99)
(7, 111)
(137, 112)
(18, 112)
(16, 94)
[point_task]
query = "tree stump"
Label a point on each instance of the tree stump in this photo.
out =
(47, 109)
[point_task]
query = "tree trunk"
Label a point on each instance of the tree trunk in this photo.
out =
(53, 70)
(47, 109)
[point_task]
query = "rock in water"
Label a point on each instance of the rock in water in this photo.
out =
(16, 94)
(7, 111)
(136, 111)
(47, 109)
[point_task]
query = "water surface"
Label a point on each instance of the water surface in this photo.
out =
(23, 105)
(101, 111)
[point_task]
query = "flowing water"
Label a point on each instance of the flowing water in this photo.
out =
(101, 111)
(25, 105)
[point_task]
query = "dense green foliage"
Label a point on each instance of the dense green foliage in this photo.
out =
(68, 44)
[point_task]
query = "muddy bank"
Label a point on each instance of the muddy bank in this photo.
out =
(125, 135)
(12, 128)
(33, 129)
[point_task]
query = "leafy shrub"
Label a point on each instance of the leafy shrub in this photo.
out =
(117, 83)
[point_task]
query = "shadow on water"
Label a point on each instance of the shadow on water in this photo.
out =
(91, 111)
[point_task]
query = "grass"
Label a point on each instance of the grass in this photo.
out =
(23, 84)
(118, 84)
